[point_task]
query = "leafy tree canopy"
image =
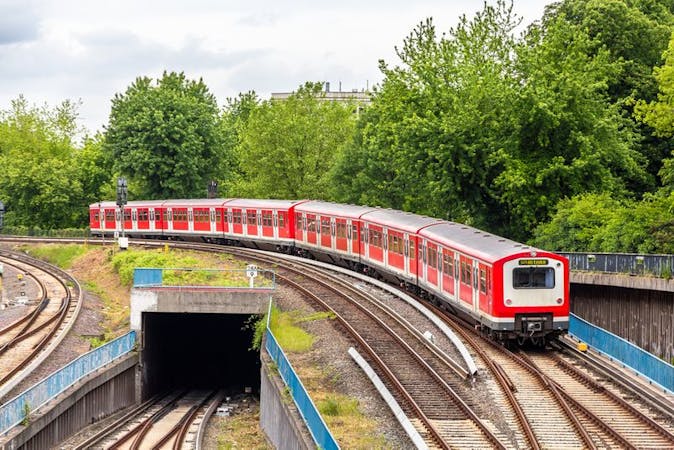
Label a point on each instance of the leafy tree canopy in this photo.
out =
(481, 127)
(166, 136)
(40, 185)
(287, 147)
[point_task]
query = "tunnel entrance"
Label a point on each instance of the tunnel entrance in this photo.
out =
(198, 351)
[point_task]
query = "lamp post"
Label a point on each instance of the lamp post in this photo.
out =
(212, 189)
(121, 201)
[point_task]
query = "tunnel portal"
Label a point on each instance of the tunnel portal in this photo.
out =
(198, 351)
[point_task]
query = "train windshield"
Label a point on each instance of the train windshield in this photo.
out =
(533, 278)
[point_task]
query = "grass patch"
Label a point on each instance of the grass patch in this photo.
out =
(348, 424)
(57, 254)
(199, 271)
(115, 311)
(290, 337)
(341, 413)
(242, 431)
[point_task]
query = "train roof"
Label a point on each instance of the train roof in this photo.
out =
(130, 204)
(193, 202)
(400, 220)
(333, 209)
(469, 240)
(261, 203)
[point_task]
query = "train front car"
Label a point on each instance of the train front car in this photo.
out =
(510, 291)
(532, 302)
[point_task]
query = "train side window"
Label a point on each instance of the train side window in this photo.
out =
(432, 258)
(465, 273)
(533, 278)
(448, 264)
(127, 215)
(281, 221)
(483, 281)
(325, 226)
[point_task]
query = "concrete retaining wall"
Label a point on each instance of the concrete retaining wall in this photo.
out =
(279, 418)
(99, 395)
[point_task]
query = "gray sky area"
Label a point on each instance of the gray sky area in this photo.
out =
(89, 50)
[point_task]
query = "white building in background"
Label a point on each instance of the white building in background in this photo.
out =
(362, 97)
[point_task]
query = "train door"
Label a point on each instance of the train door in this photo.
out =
(333, 233)
(325, 229)
(440, 276)
(384, 244)
(299, 224)
(355, 242)
(406, 253)
(118, 220)
(476, 285)
(213, 224)
(275, 219)
(422, 256)
(364, 248)
(448, 276)
(483, 288)
(349, 237)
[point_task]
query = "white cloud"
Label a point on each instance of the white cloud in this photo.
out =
(53, 50)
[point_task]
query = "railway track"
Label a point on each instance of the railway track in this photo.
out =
(163, 422)
(556, 404)
(547, 400)
(430, 386)
(26, 342)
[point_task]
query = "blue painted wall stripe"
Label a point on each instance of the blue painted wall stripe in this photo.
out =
(317, 427)
(632, 356)
(12, 412)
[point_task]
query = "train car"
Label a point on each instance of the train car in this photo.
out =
(261, 223)
(138, 219)
(390, 243)
(329, 229)
(511, 290)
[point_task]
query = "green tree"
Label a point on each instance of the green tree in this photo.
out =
(659, 113)
(571, 140)
(40, 184)
(578, 223)
(234, 121)
(166, 137)
(430, 141)
(634, 33)
(94, 168)
(480, 127)
(287, 147)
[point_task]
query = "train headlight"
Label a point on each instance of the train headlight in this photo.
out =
(560, 301)
(508, 302)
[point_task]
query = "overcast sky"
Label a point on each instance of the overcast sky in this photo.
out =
(88, 50)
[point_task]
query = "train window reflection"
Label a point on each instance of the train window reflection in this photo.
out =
(534, 278)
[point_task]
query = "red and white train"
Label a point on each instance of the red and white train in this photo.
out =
(509, 289)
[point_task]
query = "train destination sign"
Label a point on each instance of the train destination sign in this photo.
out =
(533, 262)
